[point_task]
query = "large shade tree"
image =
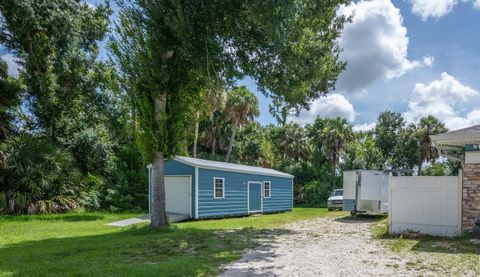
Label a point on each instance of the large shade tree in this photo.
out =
(241, 108)
(166, 49)
(10, 96)
(56, 43)
(388, 132)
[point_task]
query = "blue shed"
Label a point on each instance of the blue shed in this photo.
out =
(202, 189)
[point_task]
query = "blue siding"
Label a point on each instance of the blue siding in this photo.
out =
(235, 201)
(176, 168)
(281, 195)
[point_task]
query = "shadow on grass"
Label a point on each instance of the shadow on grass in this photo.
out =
(68, 217)
(135, 251)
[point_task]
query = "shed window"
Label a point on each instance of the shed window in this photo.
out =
(266, 189)
(219, 187)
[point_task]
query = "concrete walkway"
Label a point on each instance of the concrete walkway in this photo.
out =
(146, 218)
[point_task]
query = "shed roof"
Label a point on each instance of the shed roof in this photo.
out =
(231, 167)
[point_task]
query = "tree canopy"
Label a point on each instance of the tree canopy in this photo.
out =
(78, 131)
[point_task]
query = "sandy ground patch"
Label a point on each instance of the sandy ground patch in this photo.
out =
(322, 247)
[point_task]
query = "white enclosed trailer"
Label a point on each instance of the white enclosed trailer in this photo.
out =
(365, 191)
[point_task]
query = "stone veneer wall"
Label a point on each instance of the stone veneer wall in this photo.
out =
(471, 195)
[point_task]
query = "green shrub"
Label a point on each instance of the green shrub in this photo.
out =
(93, 152)
(37, 177)
(90, 197)
(127, 187)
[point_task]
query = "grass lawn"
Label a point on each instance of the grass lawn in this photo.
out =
(459, 255)
(81, 244)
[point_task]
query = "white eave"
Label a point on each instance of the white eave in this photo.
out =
(206, 164)
(452, 144)
(469, 135)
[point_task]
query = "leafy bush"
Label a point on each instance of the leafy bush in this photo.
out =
(37, 177)
(90, 197)
(127, 187)
(93, 152)
(319, 191)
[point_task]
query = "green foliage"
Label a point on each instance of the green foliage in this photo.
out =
(127, 188)
(252, 146)
(241, 107)
(93, 151)
(57, 44)
(436, 169)
(331, 135)
(442, 168)
(90, 197)
(316, 192)
(388, 132)
(10, 97)
(157, 38)
(37, 177)
(427, 127)
(290, 142)
(363, 153)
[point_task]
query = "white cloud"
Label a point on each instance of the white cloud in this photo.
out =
(364, 127)
(476, 4)
(432, 8)
(374, 45)
(12, 65)
(332, 105)
(437, 8)
(442, 98)
(428, 60)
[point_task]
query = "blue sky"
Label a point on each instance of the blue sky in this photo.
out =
(416, 57)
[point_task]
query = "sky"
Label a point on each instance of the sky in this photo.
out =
(416, 57)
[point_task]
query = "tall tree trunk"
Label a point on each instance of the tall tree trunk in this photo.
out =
(420, 165)
(197, 123)
(230, 144)
(158, 216)
(49, 133)
(214, 141)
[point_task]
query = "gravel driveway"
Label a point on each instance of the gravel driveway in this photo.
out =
(321, 247)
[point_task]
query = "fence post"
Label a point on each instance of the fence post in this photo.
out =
(389, 215)
(460, 202)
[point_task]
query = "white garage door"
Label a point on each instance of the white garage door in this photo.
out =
(178, 194)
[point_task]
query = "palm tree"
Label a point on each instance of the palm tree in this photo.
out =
(427, 127)
(210, 100)
(292, 140)
(241, 107)
(335, 134)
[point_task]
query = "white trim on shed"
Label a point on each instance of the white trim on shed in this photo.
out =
(206, 164)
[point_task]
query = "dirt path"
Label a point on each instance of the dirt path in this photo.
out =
(321, 247)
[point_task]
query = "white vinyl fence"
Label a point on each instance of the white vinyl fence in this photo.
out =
(425, 204)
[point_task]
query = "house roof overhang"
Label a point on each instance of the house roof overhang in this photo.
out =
(452, 144)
